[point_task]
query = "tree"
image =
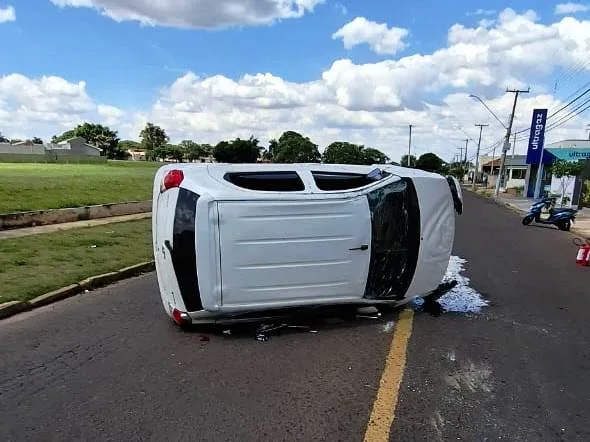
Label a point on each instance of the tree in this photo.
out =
(430, 162)
(65, 136)
(37, 140)
(3, 139)
(97, 135)
(192, 151)
(341, 152)
(373, 156)
(566, 171)
(293, 147)
(129, 145)
(174, 152)
(404, 161)
(457, 169)
(153, 138)
(237, 151)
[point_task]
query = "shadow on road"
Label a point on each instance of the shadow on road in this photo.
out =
(305, 321)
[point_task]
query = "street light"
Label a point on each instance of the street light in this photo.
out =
(490, 111)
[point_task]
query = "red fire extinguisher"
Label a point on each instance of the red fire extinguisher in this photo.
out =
(583, 256)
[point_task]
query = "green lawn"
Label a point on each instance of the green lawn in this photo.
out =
(26, 186)
(33, 265)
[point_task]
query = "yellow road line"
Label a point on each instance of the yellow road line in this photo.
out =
(383, 412)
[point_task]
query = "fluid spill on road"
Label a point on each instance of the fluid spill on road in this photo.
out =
(462, 298)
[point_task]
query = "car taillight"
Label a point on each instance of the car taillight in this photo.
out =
(180, 318)
(172, 179)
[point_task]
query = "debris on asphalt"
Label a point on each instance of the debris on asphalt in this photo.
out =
(204, 338)
(388, 326)
(226, 332)
(375, 316)
(261, 337)
(460, 299)
(264, 331)
(93, 246)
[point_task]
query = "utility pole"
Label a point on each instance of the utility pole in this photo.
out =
(493, 160)
(506, 146)
(460, 161)
(514, 145)
(410, 146)
(465, 161)
(481, 126)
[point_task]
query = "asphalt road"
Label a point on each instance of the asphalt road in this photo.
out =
(109, 365)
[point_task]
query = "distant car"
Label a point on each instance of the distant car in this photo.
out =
(236, 239)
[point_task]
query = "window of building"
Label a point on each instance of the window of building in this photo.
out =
(518, 174)
(345, 180)
(279, 181)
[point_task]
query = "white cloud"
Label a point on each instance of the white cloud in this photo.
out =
(368, 103)
(110, 115)
(482, 12)
(42, 106)
(571, 8)
(197, 13)
(7, 14)
(341, 8)
(378, 36)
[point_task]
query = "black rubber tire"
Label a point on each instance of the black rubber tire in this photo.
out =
(527, 220)
(564, 225)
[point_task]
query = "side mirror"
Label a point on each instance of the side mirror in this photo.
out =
(457, 194)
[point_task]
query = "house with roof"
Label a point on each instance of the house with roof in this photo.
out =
(514, 174)
(73, 150)
(74, 146)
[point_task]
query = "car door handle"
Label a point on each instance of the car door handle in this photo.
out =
(363, 247)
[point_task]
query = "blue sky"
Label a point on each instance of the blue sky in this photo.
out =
(126, 65)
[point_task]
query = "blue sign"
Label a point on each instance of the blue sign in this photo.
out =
(569, 153)
(537, 137)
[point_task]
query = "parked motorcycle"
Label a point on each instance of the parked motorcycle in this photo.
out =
(560, 217)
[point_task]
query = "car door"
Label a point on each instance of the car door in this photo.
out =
(291, 252)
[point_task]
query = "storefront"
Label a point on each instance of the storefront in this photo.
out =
(568, 150)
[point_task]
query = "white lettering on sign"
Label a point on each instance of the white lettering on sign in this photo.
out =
(538, 129)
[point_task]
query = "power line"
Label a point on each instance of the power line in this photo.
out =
(587, 91)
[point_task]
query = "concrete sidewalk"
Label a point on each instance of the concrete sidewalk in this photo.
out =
(16, 233)
(580, 227)
(523, 205)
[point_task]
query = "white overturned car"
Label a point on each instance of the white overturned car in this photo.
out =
(232, 240)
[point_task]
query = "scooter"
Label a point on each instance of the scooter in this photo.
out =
(562, 218)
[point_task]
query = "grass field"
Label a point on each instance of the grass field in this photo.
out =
(34, 265)
(53, 186)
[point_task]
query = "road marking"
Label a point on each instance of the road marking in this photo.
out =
(383, 412)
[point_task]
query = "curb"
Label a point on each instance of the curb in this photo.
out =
(19, 220)
(13, 307)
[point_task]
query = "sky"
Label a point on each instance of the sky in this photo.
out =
(333, 70)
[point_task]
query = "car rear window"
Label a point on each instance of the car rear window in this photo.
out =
(344, 180)
(280, 181)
